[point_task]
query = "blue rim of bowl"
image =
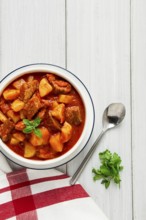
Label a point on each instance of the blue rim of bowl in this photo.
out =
(47, 64)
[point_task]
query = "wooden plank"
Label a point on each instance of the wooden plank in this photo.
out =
(98, 52)
(138, 46)
(31, 32)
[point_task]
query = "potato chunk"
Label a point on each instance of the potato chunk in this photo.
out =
(29, 150)
(54, 104)
(59, 112)
(17, 105)
(66, 132)
(11, 94)
(14, 141)
(14, 116)
(38, 141)
(3, 118)
(55, 142)
(19, 136)
(44, 87)
(66, 99)
(18, 83)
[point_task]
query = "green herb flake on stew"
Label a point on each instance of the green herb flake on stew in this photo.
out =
(31, 126)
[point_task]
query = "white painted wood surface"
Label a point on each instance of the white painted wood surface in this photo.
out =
(103, 42)
(138, 59)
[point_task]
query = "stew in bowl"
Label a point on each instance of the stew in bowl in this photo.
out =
(46, 116)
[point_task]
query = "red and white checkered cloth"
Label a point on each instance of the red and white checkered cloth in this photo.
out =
(44, 194)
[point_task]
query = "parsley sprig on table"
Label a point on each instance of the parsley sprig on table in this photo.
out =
(110, 168)
(31, 126)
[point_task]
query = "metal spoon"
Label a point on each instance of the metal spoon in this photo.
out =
(112, 116)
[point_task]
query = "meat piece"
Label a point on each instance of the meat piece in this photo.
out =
(6, 129)
(20, 126)
(61, 86)
(50, 77)
(4, 106)
(52, 123)
(32, 107)
(73, 115)
(47, 103)
(44, 153)
(3, 118)
(28, 89)
(41, 114)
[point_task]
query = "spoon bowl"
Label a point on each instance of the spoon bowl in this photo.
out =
(113, 115)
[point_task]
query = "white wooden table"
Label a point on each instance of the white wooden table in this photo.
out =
(103, 42)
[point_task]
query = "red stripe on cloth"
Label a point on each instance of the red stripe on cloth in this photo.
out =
(14, 179)
(22, 198)
(49, 178)
(22, 207)
(31, 215)
(24, 190)
(25, 206)
(31, 182)
(59, 195)
(5, 189)
(7, 210)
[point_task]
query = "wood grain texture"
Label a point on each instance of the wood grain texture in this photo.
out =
(98, 51)
(138, 52)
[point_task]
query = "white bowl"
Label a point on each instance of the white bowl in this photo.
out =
(89, 118)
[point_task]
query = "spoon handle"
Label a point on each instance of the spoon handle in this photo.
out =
(85, 160)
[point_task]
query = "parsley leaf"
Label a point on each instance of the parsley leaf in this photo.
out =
(31, 126)
(36, 122)
(27, 122)
(28, 129)
(109, 170)
(37, 132)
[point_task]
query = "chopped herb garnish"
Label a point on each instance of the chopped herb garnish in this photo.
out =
(109, 170)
